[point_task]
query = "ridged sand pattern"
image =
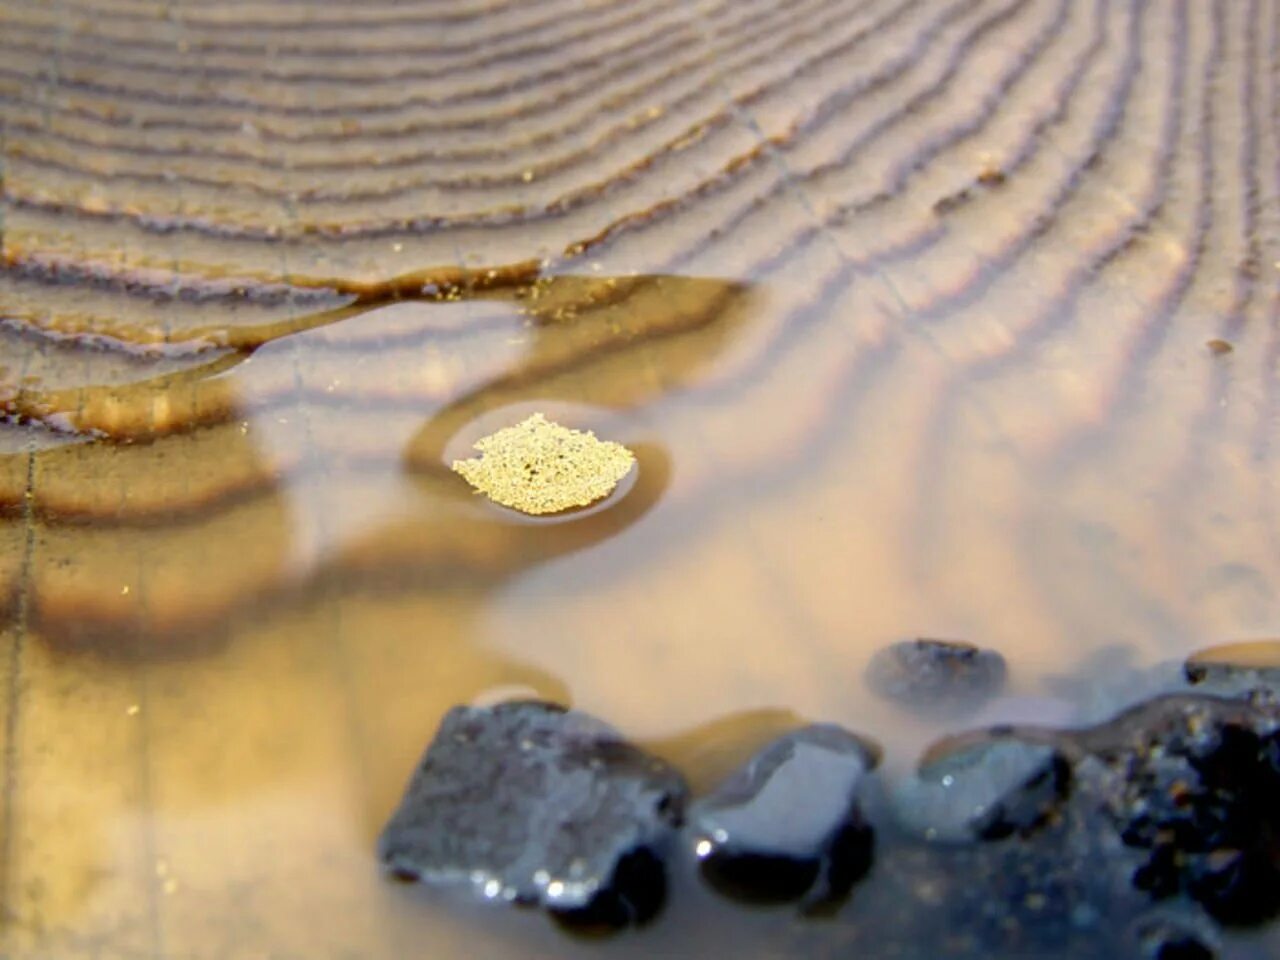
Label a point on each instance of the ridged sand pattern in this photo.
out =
(912, 311)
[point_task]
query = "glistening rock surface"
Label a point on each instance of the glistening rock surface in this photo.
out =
(531, 803)
(789, 825)
(992, 238)
(984, 790)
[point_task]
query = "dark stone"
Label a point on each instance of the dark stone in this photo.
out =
(936, 676)
(1057, 892)
(1140, 837)
(984, 790)
(1183, 948)
(1197, 789)
(1173, 938)
(788, 825)
(530, 803)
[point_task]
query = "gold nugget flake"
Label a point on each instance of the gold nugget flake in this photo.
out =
(540, 467)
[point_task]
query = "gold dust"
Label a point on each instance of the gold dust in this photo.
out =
(539, 466)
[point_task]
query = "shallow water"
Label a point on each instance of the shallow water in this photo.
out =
(235, 643)
(874, 391)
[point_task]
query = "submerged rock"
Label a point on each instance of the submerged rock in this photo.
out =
(789, 824)
(1173, 938)
(1190, 785)
(936, 676)
(980, 790)
(530, 803)
(1059, 891)
(1197, 788)
(1144, 836)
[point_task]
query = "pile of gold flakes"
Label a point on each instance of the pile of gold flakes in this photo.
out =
(540, 467)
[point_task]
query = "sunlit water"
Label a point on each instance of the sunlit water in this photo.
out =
(229, 646)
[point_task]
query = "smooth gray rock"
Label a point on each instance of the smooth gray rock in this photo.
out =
(936, 677)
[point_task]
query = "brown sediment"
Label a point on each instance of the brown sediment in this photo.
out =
(594, 316)
(930, 392)
(176, 465)
(267, 286)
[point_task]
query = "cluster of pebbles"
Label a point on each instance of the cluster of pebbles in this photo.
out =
(1148, 835)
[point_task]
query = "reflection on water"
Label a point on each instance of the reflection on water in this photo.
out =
(253, 626)
(323, 452)
(963, 377)
(244, 586)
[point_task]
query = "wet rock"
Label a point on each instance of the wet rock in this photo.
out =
(1058, 892)
(983, 790)
(1050, 896)
(1173, 938)
(936, 676)
(530, 803)
(1143, 836)
(1196, 787)
(1182, 948)
(789, 825)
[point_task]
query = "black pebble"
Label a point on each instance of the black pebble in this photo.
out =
(1183, 948)
(936, 676)
(1201, 798)
(789, 824)
(1172, 938)
(530, 803)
